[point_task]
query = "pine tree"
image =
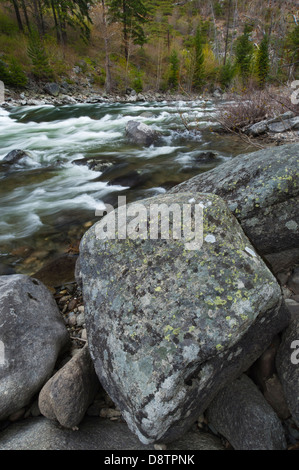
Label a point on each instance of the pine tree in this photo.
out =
(37, 53)
(132, 14)
(263, 62)
(198, 77)
(244, 53)
(173, 80)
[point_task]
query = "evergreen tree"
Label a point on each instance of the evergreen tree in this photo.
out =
(292, 46)
(132, 14)
(227, 73)
(37, 53)
(263, 62)
(244, 53)
(173, 79)
(198, 77)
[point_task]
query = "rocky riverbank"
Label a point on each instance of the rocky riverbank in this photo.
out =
(65, 94)
(156, 347)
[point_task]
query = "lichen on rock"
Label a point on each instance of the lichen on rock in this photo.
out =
(168, 326)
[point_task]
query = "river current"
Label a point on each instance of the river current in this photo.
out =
(48, 199)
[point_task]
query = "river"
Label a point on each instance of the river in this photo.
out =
(47, 200)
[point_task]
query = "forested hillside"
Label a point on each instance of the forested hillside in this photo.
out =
(190, 45)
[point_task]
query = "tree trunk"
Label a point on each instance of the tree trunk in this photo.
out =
(24, 8)
(18, 15)
(108, 81)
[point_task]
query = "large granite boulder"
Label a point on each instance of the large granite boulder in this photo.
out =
(32, 334)
(262, 191)
(167, 325)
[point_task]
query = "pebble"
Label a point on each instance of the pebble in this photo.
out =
(109, 413)
(84, 334)
(80, 319)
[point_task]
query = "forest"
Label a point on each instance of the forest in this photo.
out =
(190, 46)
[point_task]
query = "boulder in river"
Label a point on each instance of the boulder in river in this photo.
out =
(140, 133)
(32, 335)
(14, 157)
(168, 326)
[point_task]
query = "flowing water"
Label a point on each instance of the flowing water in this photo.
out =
(48, 199)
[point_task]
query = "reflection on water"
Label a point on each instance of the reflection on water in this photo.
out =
(78, 159)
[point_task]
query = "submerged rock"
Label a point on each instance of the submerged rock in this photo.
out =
(32, 335)
(262, 191)
(167, 325)
(14, 157)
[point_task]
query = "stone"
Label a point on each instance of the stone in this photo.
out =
(293, 306)
(94, 434)
(32, 335)
(133, 179)
(14, 157)
(96, 164)
(258, 128)
(275, 397)
(293, 282)
(52, 89)
(262, 191)
(205, 156)
(68, 394)
(58, 271)
(169, 326)
(284, 125)
(140, 133)
(241, 414)
(287, 364)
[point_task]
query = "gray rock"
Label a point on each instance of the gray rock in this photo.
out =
(141, 133)
(32, 335)
(284, 125)
(258, 128)
(168, 326)
(287, 363)
(293, 282)
(293, 306)
(67, 395)
(262, 191)
(52, 89)
(241, 414)
(94, 434)
(14, 156)
(274, 395)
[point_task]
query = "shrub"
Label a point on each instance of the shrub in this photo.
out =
(11, 73)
